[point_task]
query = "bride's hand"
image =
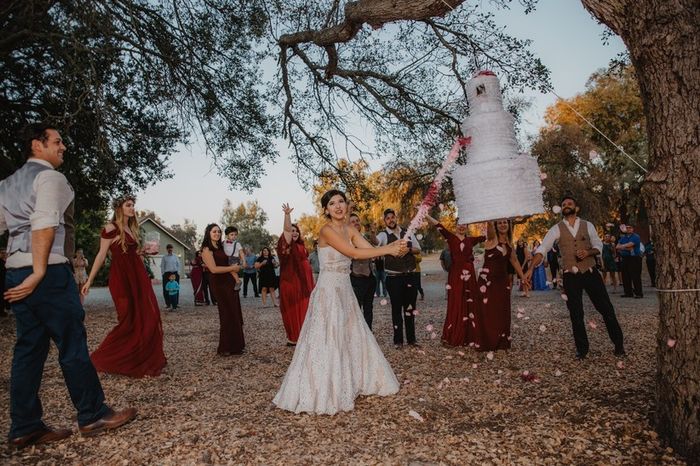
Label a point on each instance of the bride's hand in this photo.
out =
(286, 209)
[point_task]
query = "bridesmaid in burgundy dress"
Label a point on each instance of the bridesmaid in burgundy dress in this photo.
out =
(296, 278)
(135, 346)
(196, 275)
(464, 302)
(223, 284)
(494, 283)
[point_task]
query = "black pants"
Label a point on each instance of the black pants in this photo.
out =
(403, 294)
(417, 284)
(52, 312)
(364, 291)
(206, 289)
(632, 275)
(252, 277)
(651, 267)
(166, 296)
(554, 268)
(592, 283)
(174, 300)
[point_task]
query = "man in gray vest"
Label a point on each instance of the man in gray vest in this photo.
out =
(578, 245)
(44, 296)
(400, 282)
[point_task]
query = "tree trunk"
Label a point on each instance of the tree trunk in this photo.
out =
(663, 37)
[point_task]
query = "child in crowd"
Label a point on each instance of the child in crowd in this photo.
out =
(173, 290)
(234, 251)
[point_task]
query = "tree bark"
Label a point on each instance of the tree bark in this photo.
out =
(663, 38)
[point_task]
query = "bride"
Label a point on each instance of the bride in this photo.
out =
(337, 357)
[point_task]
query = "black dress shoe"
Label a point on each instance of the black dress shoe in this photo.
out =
(581, 356)
(638, 297)
(43, 435)
(620, 351)
(626, 296)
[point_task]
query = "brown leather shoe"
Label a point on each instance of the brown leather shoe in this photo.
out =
(110, 421)
(44, 435)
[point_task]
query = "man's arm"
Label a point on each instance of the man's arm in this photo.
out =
(547, 243)
(41, 247)
(596, 242)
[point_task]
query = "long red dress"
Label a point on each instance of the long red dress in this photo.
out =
(135, 346)
(463, 298)
(495, 327)
(196, 275)
(231, 339)
(296, 284)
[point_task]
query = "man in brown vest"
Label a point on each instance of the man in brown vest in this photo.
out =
(400, 281)
(578, 245)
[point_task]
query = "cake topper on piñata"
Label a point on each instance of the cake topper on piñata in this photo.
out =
(496, 181)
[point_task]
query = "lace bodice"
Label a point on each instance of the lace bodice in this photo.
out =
(330, 260)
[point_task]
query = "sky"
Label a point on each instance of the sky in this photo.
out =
(564, 36)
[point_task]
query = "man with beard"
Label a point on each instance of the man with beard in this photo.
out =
(578, 245)
(400, 280)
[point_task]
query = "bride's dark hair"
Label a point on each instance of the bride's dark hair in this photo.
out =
(325, 199)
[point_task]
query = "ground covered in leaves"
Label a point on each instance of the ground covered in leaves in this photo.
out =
(456, 406)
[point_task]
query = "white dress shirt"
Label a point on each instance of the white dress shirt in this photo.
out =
(53, 196)
(553, 235)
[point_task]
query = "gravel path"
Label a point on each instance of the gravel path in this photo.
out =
(467, 407)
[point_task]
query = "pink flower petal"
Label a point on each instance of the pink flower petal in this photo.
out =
(620, 365)
(448, 287)
(486, 300)
(489, 355)
(671, 342)
(482, 288)
(429, 328)
(564, 297)
(461, 353)
(433, 336)
(557, 373)
(592, 324)
(556, 209)
(461, 246)
(574, 269)
(471, 315)
(415, 415)
(474, 366)
(383, 302)
(543, 328)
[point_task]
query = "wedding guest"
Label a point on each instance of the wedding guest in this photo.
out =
(618, 259)
(135, 346)
(231, 339)
(250, 274)
(196, 275)
(169, 264)
(44, 297)
(609, 264)
(234, 251)
(495, 286)
(539, 274)
(265, 265)
(523, 255)
(173, 289)
(380, 274)
(579, 244)
(464, 302)
(417, 278)
(313, 260)
(651, 261)
(629, 248)
(296, 280)
(399, 279)
(553, 261)
(362, 279)
(80, 264)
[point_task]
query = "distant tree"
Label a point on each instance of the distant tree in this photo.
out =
(187, 233)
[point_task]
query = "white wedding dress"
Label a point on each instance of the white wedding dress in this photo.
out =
(336, 358)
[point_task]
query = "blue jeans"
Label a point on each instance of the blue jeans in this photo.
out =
(52, 312)
(381, 283)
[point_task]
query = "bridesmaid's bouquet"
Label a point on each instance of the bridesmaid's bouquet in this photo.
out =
(152, 244)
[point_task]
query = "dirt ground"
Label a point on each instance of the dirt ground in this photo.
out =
(466, 407)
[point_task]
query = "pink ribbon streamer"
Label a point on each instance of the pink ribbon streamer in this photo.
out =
(431, 196)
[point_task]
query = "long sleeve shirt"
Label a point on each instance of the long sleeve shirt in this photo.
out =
(170, 263)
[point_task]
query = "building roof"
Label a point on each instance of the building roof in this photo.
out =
(163, 229)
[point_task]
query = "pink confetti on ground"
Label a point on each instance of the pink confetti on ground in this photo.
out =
(433, 336)
(383, 302)
(671, 342)
(592, 324)
(620, 365)
(543, 328)
(557, 373)
(415, 415)
(429, 328)
(415, 313)
(489, 355)
(548, 305)
(564, 297)
(521, 309)
(520, 315)
(474, 366)
(461, 353)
